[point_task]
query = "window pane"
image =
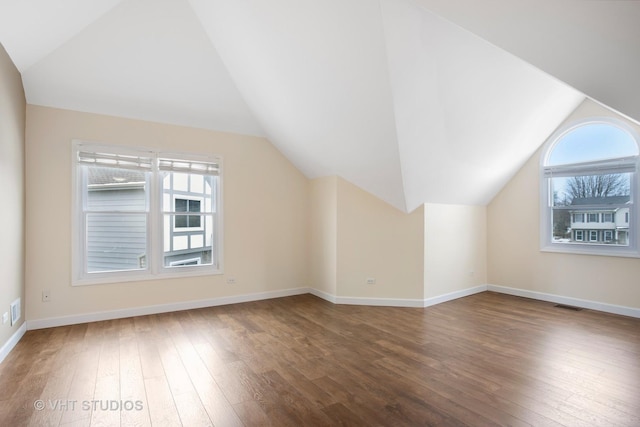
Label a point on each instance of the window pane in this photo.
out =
(596, 141)
(591, 190)
(114, 189)
(181, 221)
(592, 209)
(194, 206)
(116, 242)
(184, 245)
(182, 205)
(193, 221)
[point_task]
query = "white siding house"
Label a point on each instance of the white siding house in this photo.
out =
(600, 220)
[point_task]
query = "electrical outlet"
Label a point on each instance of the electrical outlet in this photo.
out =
(5, 318)
(46, 295)
(371, 281)
(231, 280)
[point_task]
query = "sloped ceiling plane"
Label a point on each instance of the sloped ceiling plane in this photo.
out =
(414, 101)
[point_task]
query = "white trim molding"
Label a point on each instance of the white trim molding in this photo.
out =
(398, 302)
(454, 295)
(379, 302)
(389, 302)
(161, 308)
(576, 302)
(324, 295)
(11, 343)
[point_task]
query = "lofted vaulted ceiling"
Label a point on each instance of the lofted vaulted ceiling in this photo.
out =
(415, 101)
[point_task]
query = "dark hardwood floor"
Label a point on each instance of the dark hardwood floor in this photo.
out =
(487, 359)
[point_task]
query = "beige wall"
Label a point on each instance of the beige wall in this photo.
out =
(455, 248)
(376, 240)
(514, 257)
(324, 234)
(266, 211)
(12, 126)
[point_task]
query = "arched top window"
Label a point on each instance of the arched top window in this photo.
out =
(590, 142)
(589, 186)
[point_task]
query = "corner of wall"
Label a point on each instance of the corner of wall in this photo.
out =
(12, 170)
(455, 248)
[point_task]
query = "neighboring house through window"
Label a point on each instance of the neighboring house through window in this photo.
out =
(589, 185)
(142, 214)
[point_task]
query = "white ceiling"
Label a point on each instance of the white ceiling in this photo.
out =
(412, 100)
(592, 45)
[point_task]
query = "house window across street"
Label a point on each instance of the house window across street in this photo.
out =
(187, 221)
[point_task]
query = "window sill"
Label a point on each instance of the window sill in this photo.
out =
(598, 250)
(133, 276)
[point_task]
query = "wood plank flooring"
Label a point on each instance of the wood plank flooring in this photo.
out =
(483, 360)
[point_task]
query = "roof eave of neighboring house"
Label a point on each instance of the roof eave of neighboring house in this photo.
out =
(117, 186)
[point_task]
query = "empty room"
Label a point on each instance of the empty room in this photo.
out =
(286, 213)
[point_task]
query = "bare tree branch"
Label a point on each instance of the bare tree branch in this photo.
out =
(579, 187)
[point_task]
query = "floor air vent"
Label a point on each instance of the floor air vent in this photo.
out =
(568, 307)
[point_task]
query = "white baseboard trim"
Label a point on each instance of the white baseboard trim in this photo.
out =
(389, 302)
(398, 302)
(454, 295)
(576, 302)
(380, 302)
(161, 308)
(322, 294)
(11, 343)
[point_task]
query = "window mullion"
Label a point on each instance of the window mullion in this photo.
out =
(156, 219)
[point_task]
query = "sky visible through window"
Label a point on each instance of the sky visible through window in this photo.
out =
(590, 142)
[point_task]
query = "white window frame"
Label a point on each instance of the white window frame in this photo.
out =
(581, 238)
(154, 258)
(608, 236)
(604, 166)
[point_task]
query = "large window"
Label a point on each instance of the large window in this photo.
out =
(589, 189)
(142, 214)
